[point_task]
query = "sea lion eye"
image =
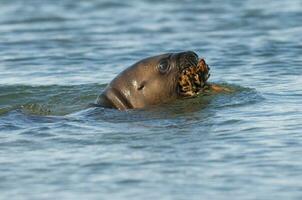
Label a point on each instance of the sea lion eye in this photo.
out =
(163, 66)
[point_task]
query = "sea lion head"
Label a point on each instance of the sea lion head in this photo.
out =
(155, 80)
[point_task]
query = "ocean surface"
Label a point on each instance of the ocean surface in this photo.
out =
(56, 56)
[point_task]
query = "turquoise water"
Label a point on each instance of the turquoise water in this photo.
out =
(57, 56)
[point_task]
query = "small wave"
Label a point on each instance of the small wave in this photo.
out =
(38, 109)
(33, 20)
(73, 101)
(47, 100)
(242, 96)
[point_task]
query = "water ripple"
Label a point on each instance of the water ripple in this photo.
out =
(57, 56)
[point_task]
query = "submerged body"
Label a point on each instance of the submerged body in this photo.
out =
(156, 80)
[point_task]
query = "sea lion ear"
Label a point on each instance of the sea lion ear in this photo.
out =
(141, 85)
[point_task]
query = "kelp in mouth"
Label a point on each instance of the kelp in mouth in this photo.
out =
(193, 79)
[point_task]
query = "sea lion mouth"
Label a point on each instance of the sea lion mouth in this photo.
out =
(193, 78)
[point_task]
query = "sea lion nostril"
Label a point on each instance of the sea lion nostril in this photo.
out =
(194, 54)
(191, 57)
(188, 54)
(187, 59)
(191, 54)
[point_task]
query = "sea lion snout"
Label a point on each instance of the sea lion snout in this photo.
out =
(186, 59)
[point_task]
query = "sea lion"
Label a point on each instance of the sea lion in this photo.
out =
(157, 80)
